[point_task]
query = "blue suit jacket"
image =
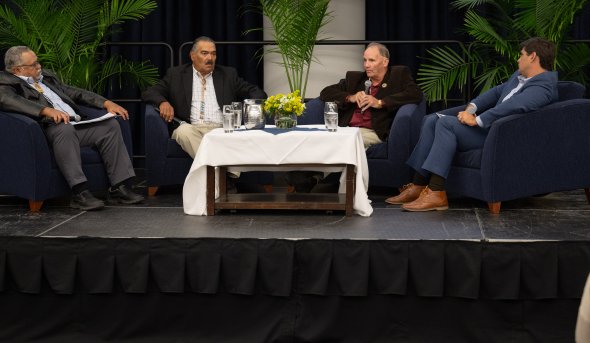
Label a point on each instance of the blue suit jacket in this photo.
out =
(537, 92)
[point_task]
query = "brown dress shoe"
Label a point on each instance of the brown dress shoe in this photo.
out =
(429, 200)
(408, 193)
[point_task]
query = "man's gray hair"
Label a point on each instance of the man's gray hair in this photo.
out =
(201, 39)
(383, 51)
(12, 58)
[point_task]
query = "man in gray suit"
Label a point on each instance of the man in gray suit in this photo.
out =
(532, 86)
(194, 92)
(28, 89)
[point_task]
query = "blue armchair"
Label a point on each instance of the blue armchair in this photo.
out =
(168, 164)
(544, 151)
(28, 165)
(387, 161)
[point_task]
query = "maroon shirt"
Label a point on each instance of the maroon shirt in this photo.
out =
(363, 119)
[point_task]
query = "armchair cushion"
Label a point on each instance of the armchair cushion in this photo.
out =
(28, 167)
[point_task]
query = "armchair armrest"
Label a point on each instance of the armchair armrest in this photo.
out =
(551, 143)
(25, 155)
(156, 140)
(404, 132)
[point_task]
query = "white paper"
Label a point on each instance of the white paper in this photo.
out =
(101, 118)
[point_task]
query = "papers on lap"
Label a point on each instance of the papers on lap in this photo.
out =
(101, 118)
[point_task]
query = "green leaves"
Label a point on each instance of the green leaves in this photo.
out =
(497, 28)
(444, 69)
(296, 25)
(69, 35)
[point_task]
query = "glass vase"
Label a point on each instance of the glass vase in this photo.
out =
(285, 120)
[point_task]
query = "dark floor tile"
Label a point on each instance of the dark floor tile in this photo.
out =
(19, 221)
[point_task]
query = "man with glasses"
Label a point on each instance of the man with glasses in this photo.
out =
(28, 89)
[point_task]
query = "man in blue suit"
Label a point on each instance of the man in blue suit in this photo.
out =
(534, 85)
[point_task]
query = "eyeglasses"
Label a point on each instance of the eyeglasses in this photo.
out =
(34, 64)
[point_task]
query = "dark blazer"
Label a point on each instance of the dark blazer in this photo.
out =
(398, 88)
(176, 88)
(16, 95)
(536, 93)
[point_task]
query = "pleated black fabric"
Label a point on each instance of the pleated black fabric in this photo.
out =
(271, 290)
(470, 270)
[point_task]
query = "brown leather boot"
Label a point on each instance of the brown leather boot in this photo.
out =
(428, 201)
(408, 193)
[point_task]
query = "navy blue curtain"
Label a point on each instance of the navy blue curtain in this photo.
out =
(411, 20)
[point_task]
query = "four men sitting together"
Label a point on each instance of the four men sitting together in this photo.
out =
(189, 95)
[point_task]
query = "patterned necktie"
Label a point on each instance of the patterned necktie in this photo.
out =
(38, 87)
(202, 110)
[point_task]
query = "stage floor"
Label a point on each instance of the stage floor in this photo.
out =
(562, 216)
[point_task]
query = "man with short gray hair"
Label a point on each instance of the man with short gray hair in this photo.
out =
(27, 89)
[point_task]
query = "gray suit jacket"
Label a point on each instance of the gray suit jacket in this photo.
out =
(16, 95)
(176, 88)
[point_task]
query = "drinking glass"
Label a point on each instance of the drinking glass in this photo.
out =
(237, 109)
(254, 117)
(331, 116)
(228, 119)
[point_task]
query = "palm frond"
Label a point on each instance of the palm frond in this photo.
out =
(295, 26)
(118, 70)
(470, 4)
(443, 70)
(547, 18)
(481, 29)
(492, 76)
(118, 11)
(573, 63)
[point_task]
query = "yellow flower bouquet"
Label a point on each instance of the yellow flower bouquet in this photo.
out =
(285, 108)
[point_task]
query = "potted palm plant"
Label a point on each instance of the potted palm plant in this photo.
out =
(69, 36)
(491, 57)
(295, 29)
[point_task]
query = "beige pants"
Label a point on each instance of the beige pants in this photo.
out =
(189, 137)
(369, 137)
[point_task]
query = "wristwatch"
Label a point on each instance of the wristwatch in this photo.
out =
(380, 103)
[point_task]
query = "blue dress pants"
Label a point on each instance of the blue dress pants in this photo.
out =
(440, 138)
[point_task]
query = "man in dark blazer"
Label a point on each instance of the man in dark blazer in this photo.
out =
(194, 92)
(26, 88)
(370, 99)
(532, 86)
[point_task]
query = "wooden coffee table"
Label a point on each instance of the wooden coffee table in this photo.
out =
(280, 201)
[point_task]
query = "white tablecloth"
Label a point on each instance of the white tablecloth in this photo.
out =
(306, 144)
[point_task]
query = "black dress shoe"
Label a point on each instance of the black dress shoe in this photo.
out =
(86, 201)
(124, 195)
(303, 181)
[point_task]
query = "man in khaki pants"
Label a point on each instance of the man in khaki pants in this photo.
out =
(194, 93)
